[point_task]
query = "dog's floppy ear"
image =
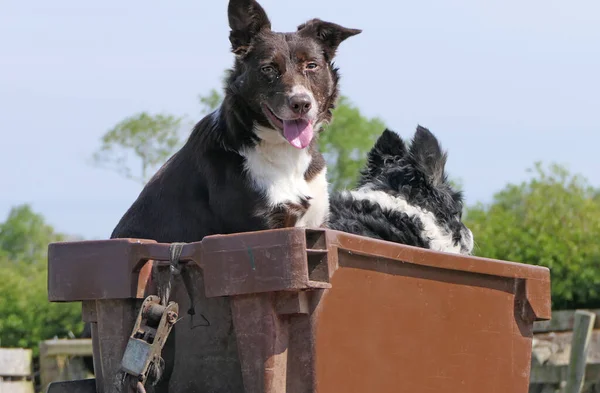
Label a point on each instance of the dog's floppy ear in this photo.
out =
(246, 19)
(428, 155)
(388, 145)
(329, 34)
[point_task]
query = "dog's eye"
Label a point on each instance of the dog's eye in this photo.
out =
(267, 69)
(312, 66)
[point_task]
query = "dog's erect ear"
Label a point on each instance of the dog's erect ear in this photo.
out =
(246, 19)
(428, 155)
(388, 145)
(329, 34)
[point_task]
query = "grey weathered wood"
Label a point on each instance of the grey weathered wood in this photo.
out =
(55, 359)
(582, 332)
(16, 386)
(543, 388)
(548, 389)
(15, 362)
(551, 374)
(562, 321)
(15, 370)
(555, 348)
(74, 347)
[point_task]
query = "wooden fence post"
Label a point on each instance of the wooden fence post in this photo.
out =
(582, 332)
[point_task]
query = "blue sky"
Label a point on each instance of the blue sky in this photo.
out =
(501, 83)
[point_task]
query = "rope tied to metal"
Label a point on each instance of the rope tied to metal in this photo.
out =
(177, 269)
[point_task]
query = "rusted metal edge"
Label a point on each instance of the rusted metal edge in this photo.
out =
(537, 277)
(79, 386)
(253, 262)
(420, 256)
(263, 261)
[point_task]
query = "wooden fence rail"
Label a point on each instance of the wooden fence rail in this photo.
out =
(60, 360)
(566, 353)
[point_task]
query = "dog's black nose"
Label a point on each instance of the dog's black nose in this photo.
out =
(300, 103)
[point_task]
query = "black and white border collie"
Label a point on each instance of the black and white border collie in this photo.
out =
(253, 164)
(404, 196)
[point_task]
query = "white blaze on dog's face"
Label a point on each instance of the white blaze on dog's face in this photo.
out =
(286, 78)
(413, 181)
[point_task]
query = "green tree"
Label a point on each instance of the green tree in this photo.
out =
(346, 141)
(24, 236)
(151, 139)
(210, 102)
(26, 316)
(213, 99)
(552, 220)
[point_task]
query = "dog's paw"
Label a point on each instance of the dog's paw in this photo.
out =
(286, 215)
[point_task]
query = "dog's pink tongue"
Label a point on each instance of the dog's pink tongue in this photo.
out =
(298, 132)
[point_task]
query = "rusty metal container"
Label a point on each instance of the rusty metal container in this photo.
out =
(301, 311)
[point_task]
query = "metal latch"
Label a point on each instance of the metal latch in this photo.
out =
(152, 327)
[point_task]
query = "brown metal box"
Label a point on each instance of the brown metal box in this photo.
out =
(301, 311)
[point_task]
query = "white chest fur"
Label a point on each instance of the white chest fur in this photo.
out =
(277, 170)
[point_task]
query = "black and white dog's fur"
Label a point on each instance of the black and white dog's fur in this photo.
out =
(253, 164)
(404, 196)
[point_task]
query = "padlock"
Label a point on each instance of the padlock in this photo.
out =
(149, 334)
(137, 357)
